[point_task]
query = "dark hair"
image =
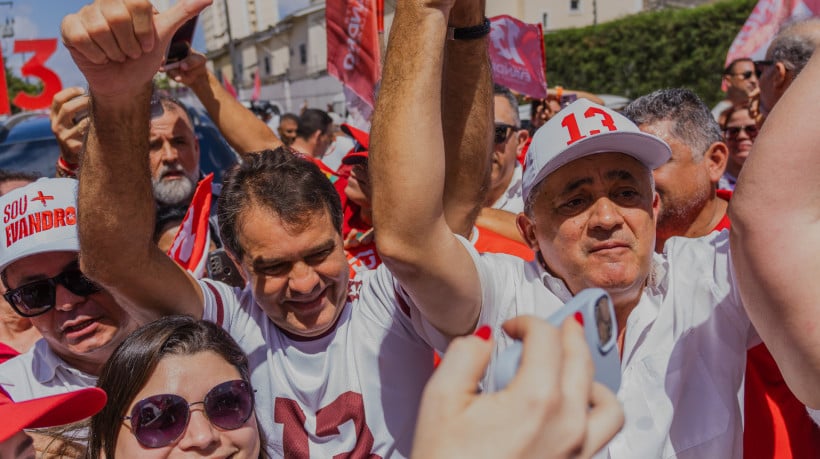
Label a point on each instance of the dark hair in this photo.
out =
(167, 215)
(731, 67)
(313, 120)
(9, 176)
(282, 181)
(692, 121)
(290, 117)
(505, 92)
(132, 363)
(171, 103)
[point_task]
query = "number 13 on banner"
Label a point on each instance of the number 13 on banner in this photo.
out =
(42, 49)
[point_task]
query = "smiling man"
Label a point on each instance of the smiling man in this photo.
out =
(341, 364)
(80, 322)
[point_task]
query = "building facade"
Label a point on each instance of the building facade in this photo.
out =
(290, 53)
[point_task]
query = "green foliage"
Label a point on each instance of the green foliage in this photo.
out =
(647, 51)
(15, 84)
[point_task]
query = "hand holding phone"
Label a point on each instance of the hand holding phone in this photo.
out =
(180, 45)
(594, 310)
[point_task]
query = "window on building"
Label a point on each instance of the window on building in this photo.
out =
(545, 20)
(267, 65)
(574, 5)
(303, 54)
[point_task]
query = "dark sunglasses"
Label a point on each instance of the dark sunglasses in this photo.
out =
(745, 75)
(40, 296)
(159, 420)
(733, 132)
(502, 132)
(759, 65)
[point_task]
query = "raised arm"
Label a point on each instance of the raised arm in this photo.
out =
(408, 162)
(244, 132)
(775, 235)
(467, 118)
(116, 205)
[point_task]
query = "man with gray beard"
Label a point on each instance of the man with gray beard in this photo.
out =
(174, 154)
(691, 205)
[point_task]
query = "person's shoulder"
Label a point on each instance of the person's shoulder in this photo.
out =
(708, 246)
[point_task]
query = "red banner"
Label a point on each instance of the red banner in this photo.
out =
(352, 46)
(229, 87)
(517, 56)
(767, 17)
(257, 86)
(193, 239)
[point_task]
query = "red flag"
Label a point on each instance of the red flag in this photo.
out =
(767, 17)
(257, 87)
(352, 45)
(193, 239)
(229, 87)
(380, 15)
(517, 56)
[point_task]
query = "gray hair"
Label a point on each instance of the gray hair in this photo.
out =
(794, 45)
(692, 121)
(505, 92)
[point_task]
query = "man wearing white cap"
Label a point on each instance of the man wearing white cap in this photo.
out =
(80, 322)
(590, 214)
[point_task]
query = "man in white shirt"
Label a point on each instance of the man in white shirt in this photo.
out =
(590, 214)
(508, 141)
(80, 322)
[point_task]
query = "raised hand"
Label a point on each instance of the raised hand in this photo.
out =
(69, 121)
(551, 409)
(119, 44)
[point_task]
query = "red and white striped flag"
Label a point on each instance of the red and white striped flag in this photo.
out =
(193, 239)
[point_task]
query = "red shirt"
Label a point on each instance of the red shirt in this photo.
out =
(776, 424)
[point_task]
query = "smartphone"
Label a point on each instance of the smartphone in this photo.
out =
(180, 46)
(222, 268)
(593, 309)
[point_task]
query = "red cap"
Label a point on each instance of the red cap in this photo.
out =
(359, 151)
(54, 410)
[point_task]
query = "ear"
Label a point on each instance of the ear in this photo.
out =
(238, 264)
(782, 77)
(716, 158)
(656, 206)
(314, 138)
(521, 138)
(527, 229)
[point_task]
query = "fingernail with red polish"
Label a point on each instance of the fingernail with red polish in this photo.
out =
(484, 332)
(579, 318)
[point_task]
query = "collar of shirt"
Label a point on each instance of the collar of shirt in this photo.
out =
(46, 364)
(514, 189)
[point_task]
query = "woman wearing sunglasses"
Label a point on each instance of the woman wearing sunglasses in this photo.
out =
(739, 131)
(176, 386)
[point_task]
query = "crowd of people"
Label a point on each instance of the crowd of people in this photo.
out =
(377, 289)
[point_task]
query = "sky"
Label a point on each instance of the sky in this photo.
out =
(39, 19)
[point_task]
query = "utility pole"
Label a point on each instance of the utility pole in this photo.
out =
(231, 48)
(594, 12)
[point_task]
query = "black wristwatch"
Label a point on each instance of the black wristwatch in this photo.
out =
(469, 33)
